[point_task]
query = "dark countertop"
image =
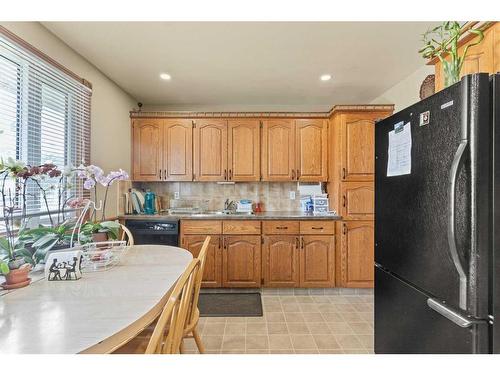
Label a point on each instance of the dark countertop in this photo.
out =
(269, 215)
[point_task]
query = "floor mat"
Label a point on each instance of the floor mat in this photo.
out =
(230, 304)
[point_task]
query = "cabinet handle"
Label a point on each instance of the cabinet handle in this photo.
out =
(165, 174)
(298, 174)
(293, 174)
(225, 174)
(297, 245)
(302, 242)
(318, 228)
(230, 174)
(160, 174)
(344, 231)
(344, 200)
(343, 173)
(281, 227)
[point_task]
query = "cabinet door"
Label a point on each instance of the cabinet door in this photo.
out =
(278, 150)
(358, 200)
(210, 150)
(212, 274)
(358, 147)
(317, 261)
(243, 150)
(147, 149)
(280, 261)
(311, 150)
(356, 257)
(241, 261)
(178, 150)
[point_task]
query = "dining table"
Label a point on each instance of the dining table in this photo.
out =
(95, 314)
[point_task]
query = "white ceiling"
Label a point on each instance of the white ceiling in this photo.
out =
(249, 63)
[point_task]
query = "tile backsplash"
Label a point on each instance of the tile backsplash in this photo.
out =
(275, 196)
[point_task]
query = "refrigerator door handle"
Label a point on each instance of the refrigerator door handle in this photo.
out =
(451, 314)
(452, 245)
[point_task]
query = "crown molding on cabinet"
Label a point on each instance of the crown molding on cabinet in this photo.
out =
(189, 114)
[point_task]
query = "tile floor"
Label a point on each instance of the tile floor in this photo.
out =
(294, 324)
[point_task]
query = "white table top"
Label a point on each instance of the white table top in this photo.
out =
(94, 313)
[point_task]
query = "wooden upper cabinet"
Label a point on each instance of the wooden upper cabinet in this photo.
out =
(357, 254)
(311, 150)
(358, 200)
(278, 150)
(147, 149)
(177, 150)
(280, 261)
(241, 261)
(212, 274)
(317, 261)
(358, 147)
(210, 150)
(243, 150)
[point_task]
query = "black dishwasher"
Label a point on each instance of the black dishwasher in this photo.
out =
(154, 232)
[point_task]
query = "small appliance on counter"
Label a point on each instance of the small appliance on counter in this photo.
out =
(244, 205)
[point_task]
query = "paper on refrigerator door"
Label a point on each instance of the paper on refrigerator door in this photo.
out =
(399, 161)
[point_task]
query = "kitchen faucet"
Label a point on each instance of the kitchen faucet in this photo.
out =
(229, 205)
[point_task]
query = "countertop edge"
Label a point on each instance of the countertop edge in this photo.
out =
(263, 216)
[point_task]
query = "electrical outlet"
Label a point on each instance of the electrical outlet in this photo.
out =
(176, 195)
(292, 194)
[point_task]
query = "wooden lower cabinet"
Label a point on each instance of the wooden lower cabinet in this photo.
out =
(357, 254)
(358, 200)
(280, 261)
(212, 275)
(317, 261)
(241, 261)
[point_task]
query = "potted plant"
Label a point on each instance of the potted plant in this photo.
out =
(99, 231)
(44, 239)
(442, 42)
(16, 262)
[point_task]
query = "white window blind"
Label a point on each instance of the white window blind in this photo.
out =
(44, 116)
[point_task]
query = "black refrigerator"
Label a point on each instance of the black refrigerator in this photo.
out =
(437, 223)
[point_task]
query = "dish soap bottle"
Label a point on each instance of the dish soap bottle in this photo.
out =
(149, 203)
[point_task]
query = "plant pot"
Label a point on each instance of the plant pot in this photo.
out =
(17, 278)
(99, 237)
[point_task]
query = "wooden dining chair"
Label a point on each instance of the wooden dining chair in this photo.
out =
(168, 332)
(126, 235)
(190, 330)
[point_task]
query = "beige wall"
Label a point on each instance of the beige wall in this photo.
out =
(406, 92)
(110, 125)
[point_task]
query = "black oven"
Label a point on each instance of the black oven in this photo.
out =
(154, 232)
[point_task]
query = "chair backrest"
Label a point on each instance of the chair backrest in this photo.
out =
(202, 257)
(169, 330)
(127, 234)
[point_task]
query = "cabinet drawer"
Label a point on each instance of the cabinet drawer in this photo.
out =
(280, 227)
(241, 227)
(201, 226)
(317, 227)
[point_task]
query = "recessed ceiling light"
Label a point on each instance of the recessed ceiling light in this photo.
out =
(325, 77)
(165, 76)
